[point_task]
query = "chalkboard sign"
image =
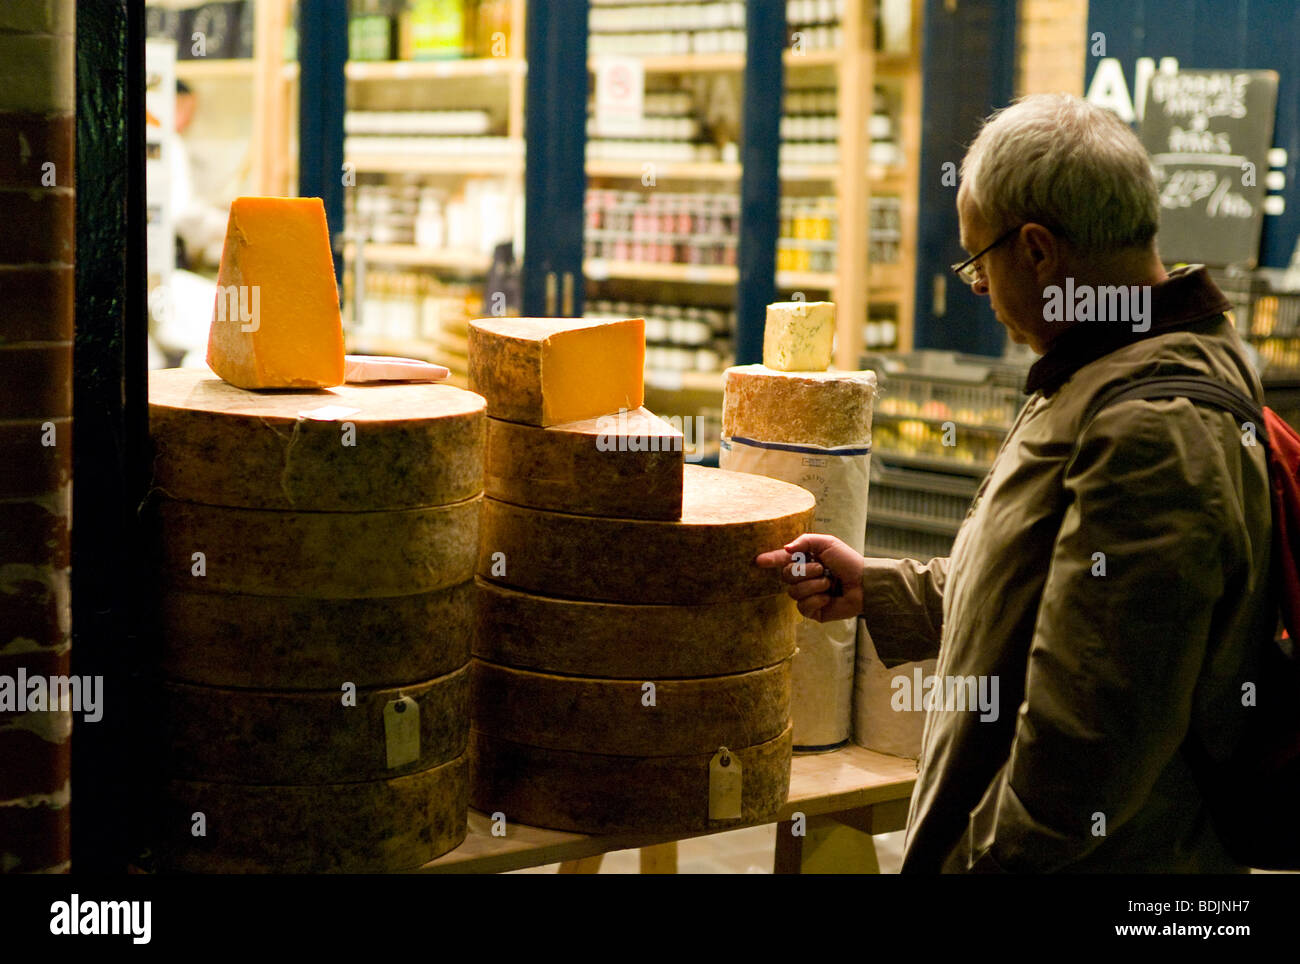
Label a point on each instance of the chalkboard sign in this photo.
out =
(1208, 133)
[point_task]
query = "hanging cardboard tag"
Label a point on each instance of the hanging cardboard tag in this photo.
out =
(724, 785)
(402, 731)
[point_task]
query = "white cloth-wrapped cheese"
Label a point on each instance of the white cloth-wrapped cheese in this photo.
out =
(813, 429)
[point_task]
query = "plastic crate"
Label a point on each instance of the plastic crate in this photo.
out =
(900, 543)
(938, 409)
(1267, 315)
(927, 501)
(969, 390)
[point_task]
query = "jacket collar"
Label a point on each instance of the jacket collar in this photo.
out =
(1186, 297)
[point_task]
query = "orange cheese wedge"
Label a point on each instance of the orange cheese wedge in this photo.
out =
(275, 323)
(548, 371)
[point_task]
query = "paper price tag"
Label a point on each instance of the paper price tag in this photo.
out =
(402, 731)
(725, 782)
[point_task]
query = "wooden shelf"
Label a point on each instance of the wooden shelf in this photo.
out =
(705, 170)
(202, 68)
(810, 172)
(599, 269)
(895, 64)
(889, 276)
(848, 779)
(431, 69)
(241, 69)
(820, 280)
(683, 170)
(452, 164)
(718, 63)
(673, 381)
(812, 58)
(409, 255)
(881, 277)
(892, 177)
(362, 342)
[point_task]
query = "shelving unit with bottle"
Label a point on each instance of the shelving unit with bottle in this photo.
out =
(434, 135)
(239, 57)
(847, 168)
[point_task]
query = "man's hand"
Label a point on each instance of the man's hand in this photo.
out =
(824, 576)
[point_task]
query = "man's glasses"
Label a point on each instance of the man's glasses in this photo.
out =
(969, 271)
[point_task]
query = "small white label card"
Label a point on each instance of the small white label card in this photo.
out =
(724, 785)
(402, 731)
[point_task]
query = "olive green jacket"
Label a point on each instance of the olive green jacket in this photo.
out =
(1114, 578)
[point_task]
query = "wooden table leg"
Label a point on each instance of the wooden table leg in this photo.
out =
(584, 865)
(789, 849)
(659, 859)
(826, 846)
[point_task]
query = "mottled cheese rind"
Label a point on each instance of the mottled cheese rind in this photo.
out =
(799, 335)
(626, 465)
(304, 737)
(548, 371)
(284, 642)
(728, 518)
(663, 717)
(376, 826)
(593, 793)
(322, 555)
(629, 641)
(829, 409)
(391, 446)
(275, 317)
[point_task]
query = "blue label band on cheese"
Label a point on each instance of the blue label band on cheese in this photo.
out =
(844, 451)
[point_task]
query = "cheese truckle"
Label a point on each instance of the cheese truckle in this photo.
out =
(276, 323)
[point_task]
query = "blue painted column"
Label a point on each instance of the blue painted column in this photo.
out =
(555, 131)
(322, 99)
(760, 179)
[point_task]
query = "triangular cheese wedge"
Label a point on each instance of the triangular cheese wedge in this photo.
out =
(276, 323)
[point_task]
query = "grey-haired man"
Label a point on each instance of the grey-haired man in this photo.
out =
(1113, 573)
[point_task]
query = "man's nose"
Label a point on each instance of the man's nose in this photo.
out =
(981, 287)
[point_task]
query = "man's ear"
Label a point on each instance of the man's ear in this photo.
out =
(1044, 250)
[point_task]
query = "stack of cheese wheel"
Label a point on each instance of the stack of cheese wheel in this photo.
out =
(632, 663)
(316, 564)
(791, 419)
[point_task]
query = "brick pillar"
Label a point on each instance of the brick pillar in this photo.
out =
(1053, 46)
(37, 104)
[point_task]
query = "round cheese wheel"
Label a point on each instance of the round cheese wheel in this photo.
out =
(306, 737)
(323, 555)
(667, 717)
(409, 445)
(287, 642)
(625, 466)
(374, 827)
(728, 518)
(591, 793)
(828, 409)
(625, 641)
